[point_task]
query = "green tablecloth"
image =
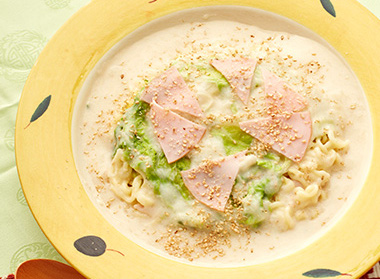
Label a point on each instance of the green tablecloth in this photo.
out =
(25, 27)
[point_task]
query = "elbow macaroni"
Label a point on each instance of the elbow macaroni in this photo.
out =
(127, 184)
(305, 185)
(302, 188)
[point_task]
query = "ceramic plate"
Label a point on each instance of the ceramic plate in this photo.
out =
(73, 223)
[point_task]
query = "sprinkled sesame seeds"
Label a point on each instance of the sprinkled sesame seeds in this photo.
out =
(271, 57)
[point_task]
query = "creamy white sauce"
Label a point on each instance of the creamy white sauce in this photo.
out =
(148, 51)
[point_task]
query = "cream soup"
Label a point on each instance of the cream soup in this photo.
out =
(300, 196)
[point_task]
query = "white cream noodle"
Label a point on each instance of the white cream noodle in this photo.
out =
(216, 142)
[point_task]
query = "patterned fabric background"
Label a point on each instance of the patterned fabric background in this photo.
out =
(25, 28)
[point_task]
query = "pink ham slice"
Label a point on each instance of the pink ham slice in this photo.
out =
(176, 135)
(239, 74)
(280, 98)
(288, 135)
(211, 183)
(169, 90)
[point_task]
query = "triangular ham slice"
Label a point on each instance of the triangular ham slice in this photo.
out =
(169, 90)
(211, 183)
(280, 98)
(176, 135)
(288, 135)
(239, 74)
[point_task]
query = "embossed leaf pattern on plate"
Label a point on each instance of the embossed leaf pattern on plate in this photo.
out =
(40, 110)
(92, 245)
(329, 7)
(324, 273)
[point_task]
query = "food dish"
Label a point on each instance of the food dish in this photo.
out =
(181, 122)
(132, 246)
